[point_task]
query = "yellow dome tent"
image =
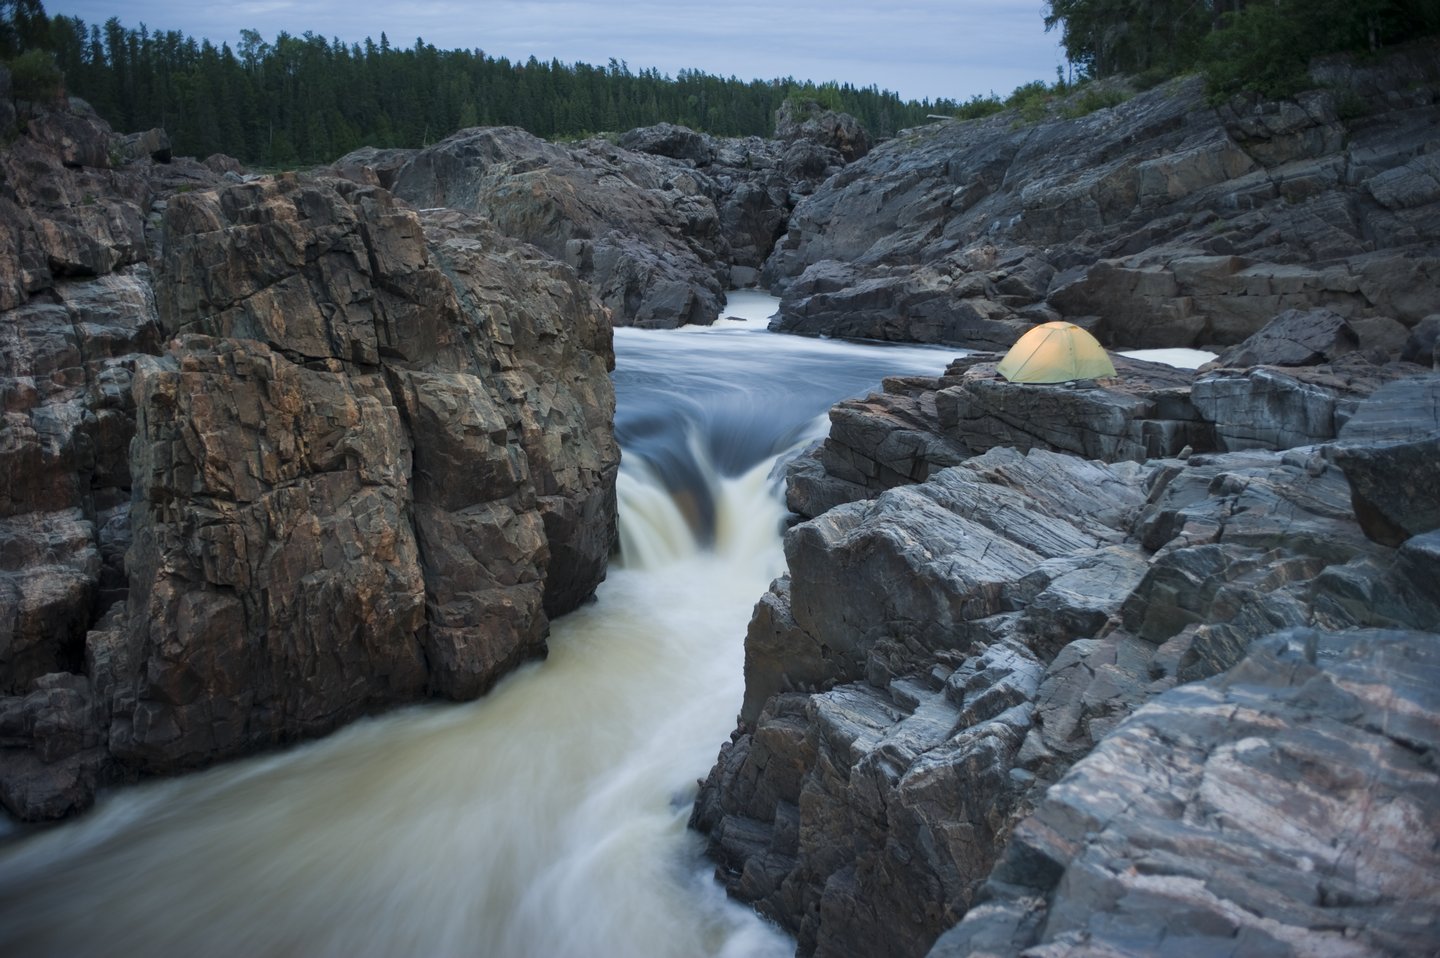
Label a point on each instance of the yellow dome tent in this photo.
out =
(1056, 353)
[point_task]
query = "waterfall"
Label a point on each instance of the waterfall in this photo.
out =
(546, 819)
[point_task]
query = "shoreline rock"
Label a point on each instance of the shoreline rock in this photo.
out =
(293, 454)
(965, 624)
(1160, 222)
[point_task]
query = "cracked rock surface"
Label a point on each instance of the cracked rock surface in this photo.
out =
(1081, 707)
(1161, 222)
(276, 453)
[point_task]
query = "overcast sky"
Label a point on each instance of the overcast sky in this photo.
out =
(918, 48)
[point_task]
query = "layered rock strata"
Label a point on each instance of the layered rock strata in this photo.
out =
(293, 454)
(942, 653)
(660, 223)
(919, 425)
(1162, 221)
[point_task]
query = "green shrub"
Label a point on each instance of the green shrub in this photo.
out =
(1256, 51)
(1091, 99)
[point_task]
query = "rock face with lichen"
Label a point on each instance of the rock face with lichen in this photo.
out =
(283, 452)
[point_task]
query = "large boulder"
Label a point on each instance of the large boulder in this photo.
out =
(802, 119)
(1295, 338)
(340, 425)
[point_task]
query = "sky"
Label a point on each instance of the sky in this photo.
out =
(921, 49)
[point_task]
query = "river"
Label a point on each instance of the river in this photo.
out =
(546, 819)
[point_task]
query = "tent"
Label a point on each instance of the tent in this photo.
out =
(1056, 353)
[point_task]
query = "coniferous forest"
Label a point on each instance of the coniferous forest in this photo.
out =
(308, 99)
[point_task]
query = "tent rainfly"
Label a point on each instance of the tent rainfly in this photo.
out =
(1056, 353)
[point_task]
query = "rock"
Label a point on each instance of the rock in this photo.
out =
(808, 120)
(48, 581)
(402, 424)
(1267, 408)
(1295, 338)
(676, 142)
(1104, 586)
(1423, 344)
(77, 137)
(222, 164)
(1387, 450)
(153, 145)
(1144, 413)
(640, 231)
(846, 300)
(51, 759)
(401, 468)
(1285, 808)
(271, 544)
(920, 425)
(875, 443)
(1159, 222)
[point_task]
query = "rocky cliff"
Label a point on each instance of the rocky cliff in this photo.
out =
(1140, 666)
(660, 222)
(276, 453)
(1163, 221)
(937, 693)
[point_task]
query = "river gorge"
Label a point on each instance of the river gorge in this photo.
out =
(545, 819)
(334, 622)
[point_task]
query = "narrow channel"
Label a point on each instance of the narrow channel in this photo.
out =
(547, 819)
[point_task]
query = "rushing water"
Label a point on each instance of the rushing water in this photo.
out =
(547, 819)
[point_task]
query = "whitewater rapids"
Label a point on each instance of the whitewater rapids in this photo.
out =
(546, 819)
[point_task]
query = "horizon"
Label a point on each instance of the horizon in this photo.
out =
(956, 53)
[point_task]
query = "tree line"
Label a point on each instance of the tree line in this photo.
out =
(1259, 45)
(306, 99)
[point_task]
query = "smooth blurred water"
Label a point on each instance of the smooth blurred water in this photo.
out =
(547, 819)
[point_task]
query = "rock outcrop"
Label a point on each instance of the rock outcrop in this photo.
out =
(1288, 808)
(939, 656)
(276, 454)
(660, 223)
(1162, 221)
